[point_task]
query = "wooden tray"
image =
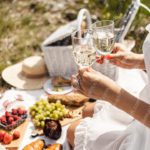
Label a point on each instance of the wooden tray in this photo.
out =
(77, 115)
(65, 121)
(14, 145)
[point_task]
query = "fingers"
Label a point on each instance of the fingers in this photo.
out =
(110, 57)
(118, 47)
(84, 69)
(74, 82)
(100, 59)
(77, 82)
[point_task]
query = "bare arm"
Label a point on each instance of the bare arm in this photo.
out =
(124, 59)
(132, 105)
(128, 60)
(96, 85)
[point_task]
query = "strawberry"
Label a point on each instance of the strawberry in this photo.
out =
(16, 135)
(2, 134)
(12, 123)
(3, 120)
(20, 111)
(7, 138)
(3, 117)
(14, 111)
(16, 117)
(8, 114)
(10, 120)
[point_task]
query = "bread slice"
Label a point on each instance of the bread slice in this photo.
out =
(71, 99)
(60, 81)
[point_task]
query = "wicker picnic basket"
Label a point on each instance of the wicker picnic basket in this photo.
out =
(57, 50)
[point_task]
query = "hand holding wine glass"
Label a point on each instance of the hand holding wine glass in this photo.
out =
(84, 52)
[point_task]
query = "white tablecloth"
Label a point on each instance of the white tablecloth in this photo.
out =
(131, 80)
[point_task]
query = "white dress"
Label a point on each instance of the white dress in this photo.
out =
(112, 129)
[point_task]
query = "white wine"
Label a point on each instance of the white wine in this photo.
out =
(103, 42)
(84, 55)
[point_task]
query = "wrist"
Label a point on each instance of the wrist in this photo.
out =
(139, 61)
(112, 93)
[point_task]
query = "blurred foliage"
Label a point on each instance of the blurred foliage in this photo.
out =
(25, 24)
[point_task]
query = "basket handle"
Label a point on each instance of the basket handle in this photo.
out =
(80, 18)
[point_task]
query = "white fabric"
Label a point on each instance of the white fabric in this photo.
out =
(112, 129)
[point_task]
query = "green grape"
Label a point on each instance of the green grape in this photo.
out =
(48, 106)
(55, 116)
(36, 122)
(48, 113)
(42, 110)
(32, 113)
(59, 109)
(37, 117)
(40, 117)
(61, 114)
(52, 116)
(42, 124)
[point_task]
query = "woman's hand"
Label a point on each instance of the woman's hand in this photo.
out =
(124, 59)
(95, 85)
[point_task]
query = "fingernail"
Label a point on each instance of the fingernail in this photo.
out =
(108, 57)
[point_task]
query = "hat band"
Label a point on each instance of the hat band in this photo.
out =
(32, 76)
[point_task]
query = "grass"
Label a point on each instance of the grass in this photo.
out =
(25, 24)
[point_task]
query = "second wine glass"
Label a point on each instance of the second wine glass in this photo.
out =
(103, 36)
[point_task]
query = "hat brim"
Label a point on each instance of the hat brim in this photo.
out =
(14, 77)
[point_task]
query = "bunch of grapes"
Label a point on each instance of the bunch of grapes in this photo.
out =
(42, 110)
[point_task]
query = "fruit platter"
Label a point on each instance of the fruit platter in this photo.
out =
(13, 119)
(42, 110)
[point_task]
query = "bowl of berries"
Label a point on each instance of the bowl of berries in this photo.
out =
(13, 118)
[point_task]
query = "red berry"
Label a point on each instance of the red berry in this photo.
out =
(20, 111)
(3, 120)
(3, 117)
(16, 117)
(12, 123)
(14, 111)
(16, 135)
(7, 138)
(2, 134)
(10, 120)
(7, 114)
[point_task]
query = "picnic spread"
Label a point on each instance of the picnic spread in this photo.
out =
(35, 114)
(126, 78)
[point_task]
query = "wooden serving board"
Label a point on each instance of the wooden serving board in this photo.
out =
(65, 121)
(77, 113)
(14, 145)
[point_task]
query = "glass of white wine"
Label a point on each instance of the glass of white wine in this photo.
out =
(84, 52)
(103, 36)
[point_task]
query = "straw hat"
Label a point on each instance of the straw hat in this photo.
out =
(30, 74)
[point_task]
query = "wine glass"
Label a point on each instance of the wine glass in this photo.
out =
(103, 36)
(84, 52)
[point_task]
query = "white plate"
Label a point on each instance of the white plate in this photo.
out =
(48, 87)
